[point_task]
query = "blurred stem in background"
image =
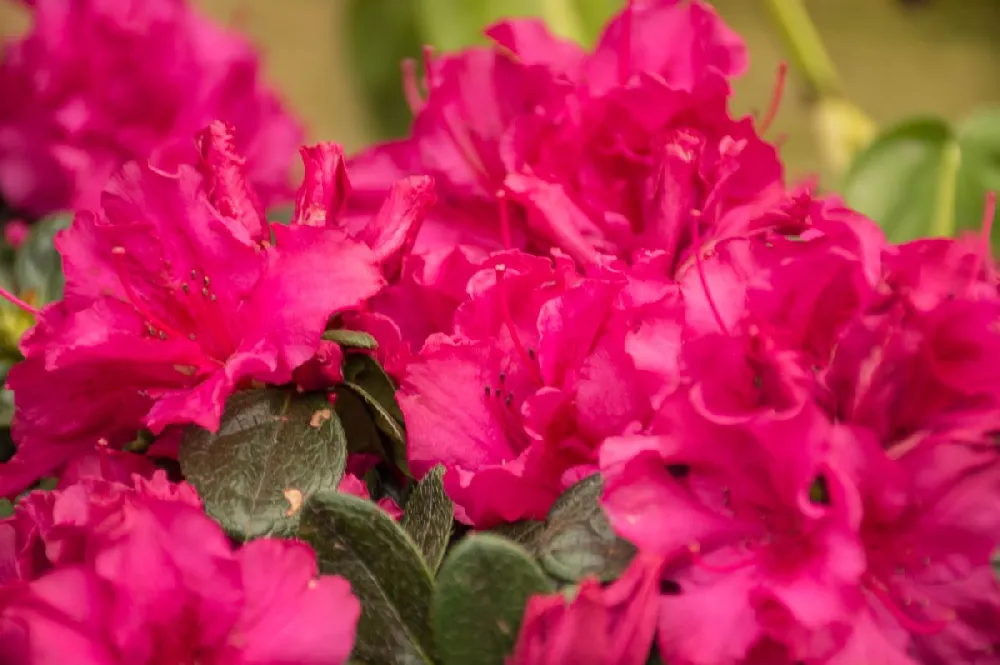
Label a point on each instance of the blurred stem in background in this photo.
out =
(842, 129)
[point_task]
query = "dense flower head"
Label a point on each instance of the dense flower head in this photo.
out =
(178, 292)
(517, 399)
(536, 144)
(796, 473)
(140, 575)
(96, 84)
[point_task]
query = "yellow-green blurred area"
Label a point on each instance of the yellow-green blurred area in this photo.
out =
(896, 58)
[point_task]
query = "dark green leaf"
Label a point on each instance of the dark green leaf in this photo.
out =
(429, 517)
(274, 449)
(37, 265)
(355, 339)
(355, 538)
(526, 533)
(6, 508)
(578, 539)
(480, 598)
(365, 376)
(907, 180)
(358, 423)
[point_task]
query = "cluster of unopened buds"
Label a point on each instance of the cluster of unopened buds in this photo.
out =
(578, 263)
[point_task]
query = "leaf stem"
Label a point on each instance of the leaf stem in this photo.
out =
(943, 222)
(563, 19)
(805, 45)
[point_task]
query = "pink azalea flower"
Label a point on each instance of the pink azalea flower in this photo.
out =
(599, 626)
(607, 152)
(51, 528)
(758, 530)
(175, 297)
(515, 403)
(97, 84)
(922, 351)
(159, 583)
(931, 523)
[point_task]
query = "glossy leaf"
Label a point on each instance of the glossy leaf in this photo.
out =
(482, 590)
(356, 539)
(274, 450)
(578, 539)
(429, 517)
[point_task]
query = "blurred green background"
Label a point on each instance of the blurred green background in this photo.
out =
(896, 58)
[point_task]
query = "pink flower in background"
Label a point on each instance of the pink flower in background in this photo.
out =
(629, 146)
(160, 584)
(613, 625)
(175, 297)
(96, 84)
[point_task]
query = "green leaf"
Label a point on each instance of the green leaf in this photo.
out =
(356, 539)
(455, 24)
(6, 508)
(359, 427)
(351, 338)
(907, 180)
(429, 517)
(37, 264)
(281, 214)
(275, 448)
(578, 540)
(368, 380)
(480, 599)
(979, 136)
(526, 533)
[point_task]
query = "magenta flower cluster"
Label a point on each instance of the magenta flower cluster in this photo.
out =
(578, 263)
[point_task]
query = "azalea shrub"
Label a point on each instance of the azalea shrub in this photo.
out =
(571, 374)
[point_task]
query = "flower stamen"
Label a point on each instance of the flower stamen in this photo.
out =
(526, 359)
(776, 97)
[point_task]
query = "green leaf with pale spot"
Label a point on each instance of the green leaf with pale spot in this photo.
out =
(358, 540)
(429, 517)
(274, 449)
(480, 598)
(37, 264)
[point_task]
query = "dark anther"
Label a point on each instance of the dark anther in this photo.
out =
(503, 377)
(679, 471)
(498, 392)
(670, 588)
(819, 491)
(487, 390)
(507, 401)
(531, 353)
